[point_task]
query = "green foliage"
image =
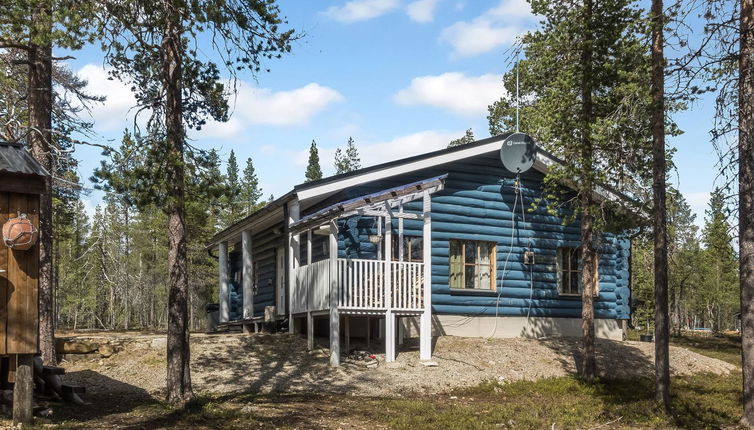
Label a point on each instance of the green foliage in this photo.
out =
(719, 265)
(59, 23)
(251, 192)
(313, 170)
(593, 112)
(466, 138)
(702, 270)
(136, 171)
(348, 161)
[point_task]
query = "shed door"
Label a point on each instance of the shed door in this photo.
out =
(280, 281)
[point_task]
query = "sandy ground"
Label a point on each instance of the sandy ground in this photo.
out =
(265, 363)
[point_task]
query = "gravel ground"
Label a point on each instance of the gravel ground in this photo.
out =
(266, 363)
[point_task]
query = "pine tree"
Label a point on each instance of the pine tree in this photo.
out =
(660, 227)
(349, 160)
(594, 116)
(313, 171)
(250, 190)
(181, 88)
(466, 138)
(745, 149)
(35, 29)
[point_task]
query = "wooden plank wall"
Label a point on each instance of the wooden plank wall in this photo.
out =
(19, 284)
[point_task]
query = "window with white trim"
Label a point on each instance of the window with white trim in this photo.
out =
(472, 264)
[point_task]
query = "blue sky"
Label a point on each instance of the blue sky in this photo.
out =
(401, 77)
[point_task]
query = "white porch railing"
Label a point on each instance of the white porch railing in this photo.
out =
(408, 285)
(361, 286)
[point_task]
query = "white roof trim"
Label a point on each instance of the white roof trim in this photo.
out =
(397, 169)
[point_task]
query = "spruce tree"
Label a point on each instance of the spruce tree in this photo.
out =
(466, 138)
(348, 160)
(719, 265)
(313, 171)
(250, 190)
(232, 201)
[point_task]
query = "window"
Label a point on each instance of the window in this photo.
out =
(413, 249)
(569, 272)
(472, 264)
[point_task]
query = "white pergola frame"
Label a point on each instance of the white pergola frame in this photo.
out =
(382, 205)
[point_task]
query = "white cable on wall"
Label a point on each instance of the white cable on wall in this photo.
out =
(516, 191)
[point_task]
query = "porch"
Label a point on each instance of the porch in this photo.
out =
(387, 287)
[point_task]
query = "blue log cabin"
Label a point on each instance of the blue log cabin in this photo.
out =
(443, 243)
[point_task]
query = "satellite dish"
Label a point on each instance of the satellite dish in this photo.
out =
(518, 152)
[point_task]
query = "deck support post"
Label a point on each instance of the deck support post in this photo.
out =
(425, 335)
(309, 331)
(23, 390)
(294, 259)
(248, 279)
(369, 332)
(334, 315)
(401, 330)
(347, 321)
(389, 316)
(308, 263)
(224, 293)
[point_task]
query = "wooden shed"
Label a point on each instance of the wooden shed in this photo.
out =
(22, 180)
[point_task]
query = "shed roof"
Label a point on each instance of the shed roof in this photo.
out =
(14, 158)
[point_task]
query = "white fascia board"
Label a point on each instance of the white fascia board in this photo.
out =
(254, 225)
(397, 169)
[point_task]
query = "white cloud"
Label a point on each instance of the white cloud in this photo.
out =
(456, 92)
(292, 107)
(253, 105)
(377, 152)
(361, 10)
(405, 146)
(115, 111)
(422, 10)
(496, 27)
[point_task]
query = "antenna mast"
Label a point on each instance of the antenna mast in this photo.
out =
(518, 103)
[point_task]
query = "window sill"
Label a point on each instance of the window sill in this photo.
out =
(472, 291)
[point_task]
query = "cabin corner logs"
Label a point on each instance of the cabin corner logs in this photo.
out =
(476, 204)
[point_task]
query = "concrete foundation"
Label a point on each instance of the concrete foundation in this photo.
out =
(507, 327)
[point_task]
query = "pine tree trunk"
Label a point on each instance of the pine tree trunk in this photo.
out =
(588, 277)
(662, 328)
(178, 352)
(746, 204)
(40, 124)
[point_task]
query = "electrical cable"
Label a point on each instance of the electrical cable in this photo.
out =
(517, 192)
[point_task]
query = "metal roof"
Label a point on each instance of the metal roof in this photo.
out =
(14, 158)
